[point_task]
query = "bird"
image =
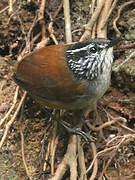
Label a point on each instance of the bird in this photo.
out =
(67, 76)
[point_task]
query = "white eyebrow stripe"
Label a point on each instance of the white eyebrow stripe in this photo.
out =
(76, 50)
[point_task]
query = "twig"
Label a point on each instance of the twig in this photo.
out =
(112, 141)
(81, 161)
(42, 23)
(105, 124)
(93, 34)
(44, 156)
(7, 7)
(123, 138)
(58, 10)
(95, 168)
(109, 13)
(51, 30)
(68, 160)
(29, 44)
(102, 32)
(12, 107)
(107, 164)
(99, 153)
(23, 156)
(68, 33)
(41, 10)
(8, 125)
(93, 2)
(127, 128)
(47, 156)
(15, 13)
(116, 69)
(89, 26)
(54, 143)
(118, 15)
(110, 149)
(22, 144)
(50, 26)
(10, 6)
(25, 49)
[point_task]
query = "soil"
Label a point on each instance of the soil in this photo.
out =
(118, 101)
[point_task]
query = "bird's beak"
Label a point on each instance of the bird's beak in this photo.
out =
(114, 42)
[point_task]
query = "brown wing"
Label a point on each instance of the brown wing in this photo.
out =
(45, 73)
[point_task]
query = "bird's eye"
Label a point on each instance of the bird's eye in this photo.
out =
(93, 49)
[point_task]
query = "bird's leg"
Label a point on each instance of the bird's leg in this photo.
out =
(92, 107)
(78, 118)
(97, 118)
(77, 123)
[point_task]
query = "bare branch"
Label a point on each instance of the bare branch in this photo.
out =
(67, 21)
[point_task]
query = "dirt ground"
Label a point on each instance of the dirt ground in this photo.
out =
(118, 103)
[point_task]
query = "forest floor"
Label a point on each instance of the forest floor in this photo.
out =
(117, 105)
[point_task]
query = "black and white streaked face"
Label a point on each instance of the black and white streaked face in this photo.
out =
(86, 59)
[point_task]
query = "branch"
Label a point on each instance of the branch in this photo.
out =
(66, 7)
